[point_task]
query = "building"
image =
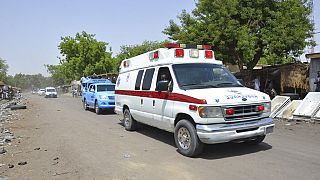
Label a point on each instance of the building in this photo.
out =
(313, 69)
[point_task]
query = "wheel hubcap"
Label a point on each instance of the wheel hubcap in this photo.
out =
(97, 107)
(126, 119)
(184, 138)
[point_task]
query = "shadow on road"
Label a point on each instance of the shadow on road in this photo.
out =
(225, 150)
(215, 151)
(103, 112)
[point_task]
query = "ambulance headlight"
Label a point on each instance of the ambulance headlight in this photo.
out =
(210, 112)
(102, 96)
(267, 107)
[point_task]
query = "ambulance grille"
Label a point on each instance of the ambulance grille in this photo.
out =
(245, 112)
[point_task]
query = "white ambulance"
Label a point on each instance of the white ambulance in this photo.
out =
(183, 89)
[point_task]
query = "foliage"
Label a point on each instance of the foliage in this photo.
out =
(26, 81)
(82, 55)
(58, 74)
(244, 31)
(3, 69)
(128, 51)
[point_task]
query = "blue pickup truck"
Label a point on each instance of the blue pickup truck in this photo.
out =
(86, 82)
(99, 96)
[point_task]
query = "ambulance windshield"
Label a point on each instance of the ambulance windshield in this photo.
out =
(202, 75)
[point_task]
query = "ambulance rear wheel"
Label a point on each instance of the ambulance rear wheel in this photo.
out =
(186, 139)
(129, 123)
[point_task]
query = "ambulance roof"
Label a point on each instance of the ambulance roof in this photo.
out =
(164, 56)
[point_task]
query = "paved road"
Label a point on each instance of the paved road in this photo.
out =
(78, 144)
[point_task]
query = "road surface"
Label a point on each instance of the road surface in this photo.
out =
(60, 140)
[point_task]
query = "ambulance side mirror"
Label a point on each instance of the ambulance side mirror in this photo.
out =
(162, 85)
(241, 81)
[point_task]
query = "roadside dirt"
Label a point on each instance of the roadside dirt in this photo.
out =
(57, 139)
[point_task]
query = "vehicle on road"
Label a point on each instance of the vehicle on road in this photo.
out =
(100, 96)
(50, 92)
(86, 82)
(41, 92)
(183, 89)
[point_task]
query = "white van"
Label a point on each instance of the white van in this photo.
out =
(184, 90)
(50, 92)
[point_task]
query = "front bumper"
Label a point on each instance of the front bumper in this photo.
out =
(106, 104)
(219, 133)
(51, 96)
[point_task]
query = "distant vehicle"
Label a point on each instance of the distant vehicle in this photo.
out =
(41, 92)
(99, 96)
(86, 82)
(50, 92)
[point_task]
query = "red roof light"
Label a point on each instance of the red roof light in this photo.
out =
(156, 55)
(172, 45)
(207, 47)
(179, 53)
(208, 54)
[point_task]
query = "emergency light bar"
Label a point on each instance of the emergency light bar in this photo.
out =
(187, 46)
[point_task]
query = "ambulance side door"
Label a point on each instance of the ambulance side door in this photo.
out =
(162, 107)
(146, 99)
(136, 102)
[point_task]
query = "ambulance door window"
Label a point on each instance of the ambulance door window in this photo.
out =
(147, 80)
(164, 74)
(138, 80)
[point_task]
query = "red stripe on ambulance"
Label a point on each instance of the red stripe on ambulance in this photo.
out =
(162, 95)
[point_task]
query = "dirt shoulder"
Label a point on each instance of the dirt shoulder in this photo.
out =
(57, 139)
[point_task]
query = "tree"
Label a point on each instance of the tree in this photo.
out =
(3, 69)
(244, 31)
(82, 55)
(26, 81)
(135, 50)
(58, 74)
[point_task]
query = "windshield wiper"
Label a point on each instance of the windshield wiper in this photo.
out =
(190, 84)
(199, 85)
(225, 83)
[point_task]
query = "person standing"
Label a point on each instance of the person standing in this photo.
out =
(256, 83)
(1, 93)
(317, 82)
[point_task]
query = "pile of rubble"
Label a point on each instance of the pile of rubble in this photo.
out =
(307, 109)
(7, 116)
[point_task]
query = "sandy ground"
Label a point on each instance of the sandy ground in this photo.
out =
(59, 140)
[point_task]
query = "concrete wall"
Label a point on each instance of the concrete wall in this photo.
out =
(314, 68)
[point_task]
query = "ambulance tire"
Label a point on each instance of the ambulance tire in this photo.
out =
(85, 105)
(128, 122)
(255, 141)
(186, 139)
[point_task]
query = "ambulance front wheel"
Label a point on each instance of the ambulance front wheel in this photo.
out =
(129, 123)
(186, 139)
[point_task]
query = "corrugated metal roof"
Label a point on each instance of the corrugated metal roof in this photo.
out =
(313, 56)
